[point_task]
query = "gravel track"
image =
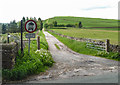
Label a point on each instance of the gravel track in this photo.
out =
(70, 64)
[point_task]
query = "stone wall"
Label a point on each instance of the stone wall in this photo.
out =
(113, 48)
(9, 53)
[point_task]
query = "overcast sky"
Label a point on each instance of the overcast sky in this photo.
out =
(16, 9)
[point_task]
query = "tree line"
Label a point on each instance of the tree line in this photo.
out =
(55, 24)
(14, 26)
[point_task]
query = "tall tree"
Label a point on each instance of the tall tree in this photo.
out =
(23, 19)
(40, 23)
(80, 24)
(3, 29)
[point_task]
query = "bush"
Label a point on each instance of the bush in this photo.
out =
(55, 23)
(61, 25)
(76, 25)
(109, 55)
(28, 65)
(46, 26)
(70, 25)
(50, 26)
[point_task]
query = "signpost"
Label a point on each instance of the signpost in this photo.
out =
(21, 37)
(30, 26)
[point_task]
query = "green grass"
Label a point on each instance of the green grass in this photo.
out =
(57, 46)
(81, 48)
(77, 46)
(29, 64)
(106, 29)
(90, 33)
(86, 22)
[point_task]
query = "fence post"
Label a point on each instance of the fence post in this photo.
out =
(107, 45)
(38, 42)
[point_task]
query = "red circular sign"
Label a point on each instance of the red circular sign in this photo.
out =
(30, 26)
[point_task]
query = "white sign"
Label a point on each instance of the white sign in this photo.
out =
(30, 35)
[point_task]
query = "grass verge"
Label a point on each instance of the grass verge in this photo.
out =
(57, 46)
(29, 64)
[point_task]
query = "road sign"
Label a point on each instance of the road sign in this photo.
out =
(30, 26)
(30, 35)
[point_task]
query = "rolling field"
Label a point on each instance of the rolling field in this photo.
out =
(86, 22)
(90, 33)
(94, 28)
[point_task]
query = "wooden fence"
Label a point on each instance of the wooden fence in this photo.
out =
(98, 44)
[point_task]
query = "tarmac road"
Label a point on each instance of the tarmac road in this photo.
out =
(107, 78)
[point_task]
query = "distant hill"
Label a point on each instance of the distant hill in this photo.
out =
(86, 22)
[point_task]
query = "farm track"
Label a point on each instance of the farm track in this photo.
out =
(70, 64)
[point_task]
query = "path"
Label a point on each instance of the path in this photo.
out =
(70, 64)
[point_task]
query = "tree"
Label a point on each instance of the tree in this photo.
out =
(3, 29)
(27, 18)
(55, 23)
(35, 19)
(46, 25)
(13, 26)
(23, 19)
(19, 26)
(39, 19)
(80, 24)
(40, 23)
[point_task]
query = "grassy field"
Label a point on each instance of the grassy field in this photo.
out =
(90, 33)
(86, 22)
